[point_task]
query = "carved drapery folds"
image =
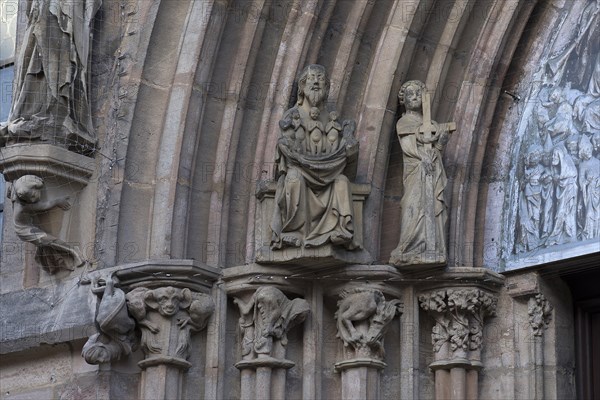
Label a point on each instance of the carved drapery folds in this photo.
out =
(457, 335)
(424, 214)
(559, 172)
(29, 200)
(314, 205)
(362, 318)
(51, 98)
(116, 329)
(265, 321)
(539, 310)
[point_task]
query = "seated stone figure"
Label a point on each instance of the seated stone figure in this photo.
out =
(313, 201)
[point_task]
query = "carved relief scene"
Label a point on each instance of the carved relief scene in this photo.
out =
(558, 201)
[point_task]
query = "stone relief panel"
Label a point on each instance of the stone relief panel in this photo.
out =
(362, 318)
(556, 204)
(51, 93)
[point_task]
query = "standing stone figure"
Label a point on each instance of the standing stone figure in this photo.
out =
(589, 182)
(565, 179)
(51, 95)
(313, 199)
(424, 214)
(531, 202)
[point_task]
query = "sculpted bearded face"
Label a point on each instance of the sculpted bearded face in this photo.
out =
(314, 85)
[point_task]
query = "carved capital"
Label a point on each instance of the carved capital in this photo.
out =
(459, 315)
(265, 320)
(167, 316)
(362, 318)
(540, 313)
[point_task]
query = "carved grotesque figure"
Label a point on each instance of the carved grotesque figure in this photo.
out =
(266, 319)
(28, 203)
(313, 199)
(369, 308)
(51, 96)
(424, 214)
(162, 311)
(116, 335)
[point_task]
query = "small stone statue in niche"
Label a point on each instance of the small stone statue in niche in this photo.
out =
(424, 214)
(52, 253)
(313, 198)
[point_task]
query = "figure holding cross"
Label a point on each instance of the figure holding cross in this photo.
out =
(423, 214)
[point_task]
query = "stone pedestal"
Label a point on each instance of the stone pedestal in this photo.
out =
(263, 377)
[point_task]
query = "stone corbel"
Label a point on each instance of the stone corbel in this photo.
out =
(43, 178)
(457, 337)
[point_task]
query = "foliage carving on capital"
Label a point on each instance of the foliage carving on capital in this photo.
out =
(459, 315)
(363, 316)
(540, 313)
(265, 320)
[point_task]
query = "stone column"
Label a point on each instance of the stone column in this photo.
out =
(540, 314)
(165, 301)
(167, 317)
(362, 317)
(457, 338)
(265, 319)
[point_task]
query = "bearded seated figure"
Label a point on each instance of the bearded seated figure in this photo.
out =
(312, 200)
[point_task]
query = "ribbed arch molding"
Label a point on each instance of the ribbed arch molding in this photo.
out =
(218, 76)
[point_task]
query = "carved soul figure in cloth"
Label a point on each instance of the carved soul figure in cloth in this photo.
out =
(51, 98)
(424, 214)
(313, 198)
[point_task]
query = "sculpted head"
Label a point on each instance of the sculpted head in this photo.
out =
(28, 188)
(313, 85)
(410, 95)
(168, 300)
(534, 155)
(585, 148)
